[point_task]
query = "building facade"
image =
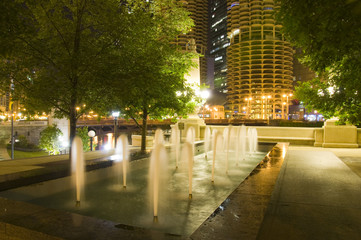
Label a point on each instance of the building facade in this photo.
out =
(218, 42)
(199, 33)
(260, 62)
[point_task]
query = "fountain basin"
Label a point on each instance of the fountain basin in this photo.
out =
(105, 199)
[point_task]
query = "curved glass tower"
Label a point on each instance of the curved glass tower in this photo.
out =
(259, 62)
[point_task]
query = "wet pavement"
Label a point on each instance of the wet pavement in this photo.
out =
(298, 193)
(317, 196)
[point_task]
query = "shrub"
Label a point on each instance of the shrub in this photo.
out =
(49, 140)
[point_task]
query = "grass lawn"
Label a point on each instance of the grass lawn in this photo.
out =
(21, 154)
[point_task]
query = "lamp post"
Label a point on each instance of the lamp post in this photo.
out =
(263, 107)
(115, 116)
(12, 132)
(205, 94)
(248, 107)
(283, 112)
(91, 134)
(267, 114)
(287, 110)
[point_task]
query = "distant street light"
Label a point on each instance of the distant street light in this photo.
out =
(115, 116)
(267, 112)
(12, 131)
(248, 106)
(205, 94)
(287, 110)
(91, 134)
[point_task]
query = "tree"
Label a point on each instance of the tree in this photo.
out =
(154, 85)
(328, 32)
(83, 134)
(49, 140)
(59, 54)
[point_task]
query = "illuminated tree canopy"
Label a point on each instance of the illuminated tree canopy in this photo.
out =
(328, 32)
(62, 54)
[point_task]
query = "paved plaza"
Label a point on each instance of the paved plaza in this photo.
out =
(297, 192)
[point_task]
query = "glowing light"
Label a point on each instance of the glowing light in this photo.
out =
(107, 146)
(205, 94)
(115, 114)
(283, 151)
(116, 157)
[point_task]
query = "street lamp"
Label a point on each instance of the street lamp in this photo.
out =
(205, 94)
(283, 112)
(267, 114)
(287, 110)
(263, 107)
(115, 116)
(248, 107)
(91, 134)
(12, 131)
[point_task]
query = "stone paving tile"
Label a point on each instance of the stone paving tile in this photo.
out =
(241, 214)
(316, 197)
(304, 221)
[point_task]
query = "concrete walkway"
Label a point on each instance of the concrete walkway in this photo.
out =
(317, 196)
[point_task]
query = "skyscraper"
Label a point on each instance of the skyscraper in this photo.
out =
(259, 62)
(218, 42)
(199, 14)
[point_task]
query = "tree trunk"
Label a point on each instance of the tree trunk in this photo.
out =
(144, 131)
(72, 120)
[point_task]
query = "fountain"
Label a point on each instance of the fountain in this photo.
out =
(191, 135)
(158, 137)
(252, 140)
(242, 142)
(122, 158)
(207, 141)
(77, 167)
(175, 137)
(217, 138)
(168, 205)
(157, 172)
(189, 156)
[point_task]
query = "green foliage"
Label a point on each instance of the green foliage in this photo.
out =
(62, 54)
(49, 140)
(59, 54)
(22, 154)
(83, 134)
(24, 144)
(328, 32)
(153, 84)
(154, 75)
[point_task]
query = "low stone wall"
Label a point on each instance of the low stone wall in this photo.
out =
(30, 129)
(137, 141)
(327, 136)
(293, 135)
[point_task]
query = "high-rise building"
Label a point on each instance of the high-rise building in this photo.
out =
(218, 42)
(199, 14)
(4, 102)
(259, 62)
